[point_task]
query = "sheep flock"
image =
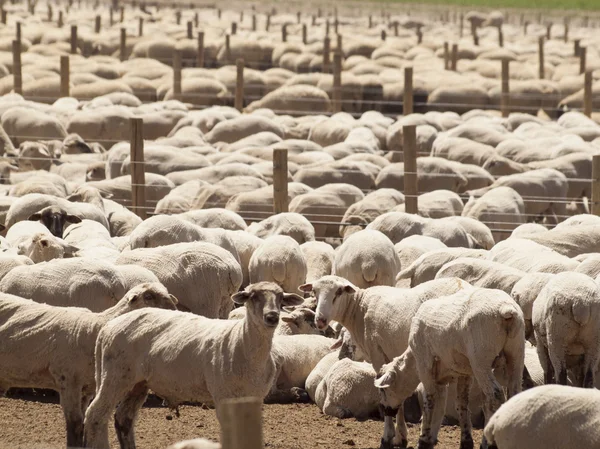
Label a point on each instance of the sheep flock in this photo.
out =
(481, 311)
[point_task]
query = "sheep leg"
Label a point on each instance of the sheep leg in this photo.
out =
(557, 357)
(546, 364)
(514, 350)
(387, 441)
(127, 413)
(433, 412)
(590, 365)
(401, 438)
(70, 401)
(463, 388)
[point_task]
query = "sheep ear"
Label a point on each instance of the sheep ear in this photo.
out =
(309, 314)
(240, 297)
(385, 381)
(292, 299)
(72, 219)
(306, 288)
(35, 217)
(349, 289)
(176, 301)
(338, 344)
(286, 319)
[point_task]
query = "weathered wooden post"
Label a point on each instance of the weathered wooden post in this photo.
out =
(407, 105)
(123, 44)
(98, 24)
(474, 34)
(190, 30)
(60, 21)
(587, 93)
(596, 185)
(233, 28)
(454, 57)
(549, 31)
(268, 23)
(284, 32)
(17, 77)
(326, 55)
(3, 16)
(446, 55)
(177, 74)
(304, 34)
(576, 47)
(228, 48)
(409, 136)
(73, 39)
(65, 75)
(541, 57)
(461, 26)
(18, 33)
(200, 55)
(239, 85)
(280, 181)
(505, 98)
(138, 177)
(500, 37)
(141, 26)
(111, 18)
(383, 35)
(122, 18)
(340, 47)
(337, 81)
(241, 423)
(582, 59)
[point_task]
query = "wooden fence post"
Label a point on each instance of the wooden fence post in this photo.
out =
(541, 57)
(454, 57)
(196, 19)
(284, 32)
(505, 98)
(268, 23)
(576, 47)
(474, 34)
(241, 423)
(409, 136)
(280, 181)
(326, 55)
(549, 31)
(500, 37)
(73, 39)
(111, 16)
(253, 22)
(228, 48)
(60, 21)
(17, 78)
(337, 81)
(138, 177)
(233, 28)
(50, 13)
(370, 21)
(407, 105)
(587, 94)
(566, 35)
(65, 75)
(582, 59)
(304, 34)
(396, 29)
(595, 185)
(4, 16)
(98, 24)
(340, 49)
(141, 26)
(383, 35)
(177, 74)
(190, 30)
(18, 33)
(446, 56)
(462, 20)
(123, 44)
(239, 85)
(200, 55)
(122, 14)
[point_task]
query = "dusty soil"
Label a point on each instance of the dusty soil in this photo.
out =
(36, 422)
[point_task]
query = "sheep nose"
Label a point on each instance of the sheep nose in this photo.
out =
(271, 318)
(321, 323)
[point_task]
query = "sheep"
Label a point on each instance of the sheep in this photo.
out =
(215, 218)
(565, 316)
(202, 275)
(295, 357)
(482, 273)
(300, 321)
(34, 240)
(152, 346)
(319, 258)
(527, 255)
(425, 267)
(280, 260)
(55, 219)
(525, 292)
(377, 318)
(287, 223)
(560, 407)
(411, 248)
(367, 258)
(461, 336)
(57, 343)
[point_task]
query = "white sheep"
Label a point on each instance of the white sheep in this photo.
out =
(482, 273)
(547, 417)
(279, 259)
(565, 322)
(377, 318)
(57, 344)
(457, 337)
(288, 223)
(319, 258)
(299, 321)
(34, 240)
(213, 359)
(525, 292)
(367, 258)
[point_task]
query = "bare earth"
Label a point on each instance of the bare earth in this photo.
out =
(36, 422)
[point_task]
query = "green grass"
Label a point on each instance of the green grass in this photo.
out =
(499, 4)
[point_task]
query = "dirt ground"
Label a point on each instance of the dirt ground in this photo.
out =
(36, 422)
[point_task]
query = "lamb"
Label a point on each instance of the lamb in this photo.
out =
(202, 275)
(447, 334)
(511, 425)
(57, 343)
(565, 316)
(319, 258)
(299, 321)
(482, 273)
(377, 318)
(295, 357)
(153, 345)
(280, 260)
(367, 258)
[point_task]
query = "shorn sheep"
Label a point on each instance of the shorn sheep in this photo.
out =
(57, 344)
(458, 337)
(213, 359)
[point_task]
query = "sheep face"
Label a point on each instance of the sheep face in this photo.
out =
(34, 156)
(96, 172)
(43, 248)
(300, 321)
(264, 301)
(392, 381)
(151, 294)
(54, 218)
(86, 194)
(74, 144)
(328, 290)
